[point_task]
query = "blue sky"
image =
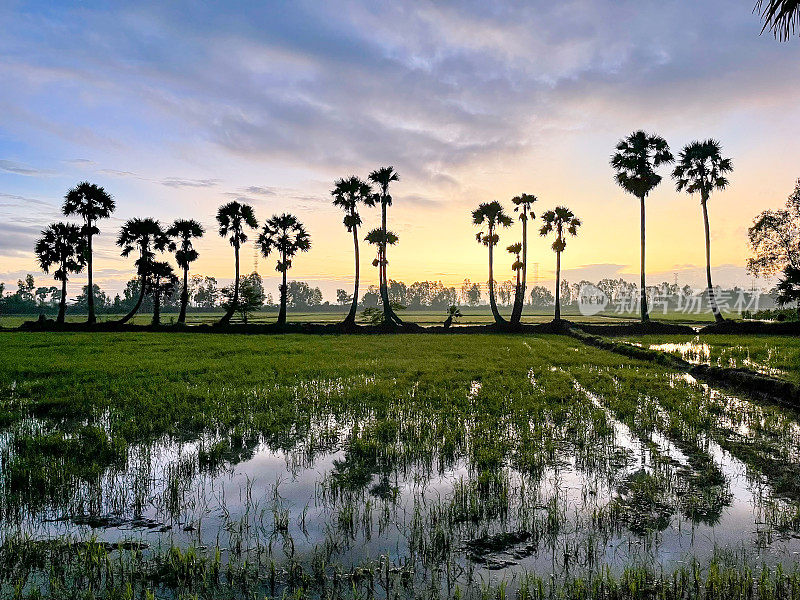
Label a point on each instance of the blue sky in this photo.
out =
(178, 107)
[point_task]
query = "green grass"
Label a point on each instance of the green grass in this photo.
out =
(433, 461)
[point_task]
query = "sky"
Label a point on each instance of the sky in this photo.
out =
(176, 108)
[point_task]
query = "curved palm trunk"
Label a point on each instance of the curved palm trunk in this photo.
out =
(711, 298)
(519, 298)
(389, 316)
(284, 290)
(492, 302)
(62, 304)
(91, 319)
(138, 304)
(351, 316)
(157, 305)
(558, 286)
(643, 290)
(184, 296)
(226, 318)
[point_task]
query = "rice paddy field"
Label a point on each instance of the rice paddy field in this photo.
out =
(180, 465)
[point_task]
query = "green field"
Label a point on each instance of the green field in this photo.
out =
(190, 465)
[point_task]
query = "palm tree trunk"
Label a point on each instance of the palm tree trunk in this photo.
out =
(643, 289)
(492, 302)
(519, 298)
(62, 304)
(135, 309)
(184, 296)
(351, 316)
(389, 316)
(711, 299)
(91, 319)
(157, 305)
(558, 286)
(226, 318)
(284, 290)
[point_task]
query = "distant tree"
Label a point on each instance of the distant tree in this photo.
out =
(701, 169)
(788, 287)
(541, 297)
(561, 220)
(62, 245)
(301, 295)
(505, 292)
(232, 218)
(343, 298)
(398, 292)
(372, 297)
(206, 292)
(781, 17)
(146, 236)
(347, 195)
(160, 282)
(382, 178)
(470, 293)
(635, 162)
(92, 203)
(182, 232)
(101, 300)
(775, 238)
(492, 215)
(452, 313)
(251, 296)
(523, 204)
(285, 235)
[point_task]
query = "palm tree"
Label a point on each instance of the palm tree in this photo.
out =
(182, 232)
(146, 236)
(232, 218)
(515, 249)
(523, 205)
(287, 236)
(635, 162)
(63, 245)
(559, 220)
(492, 215)
(92, 203)
(382, 178)
(347, 194)
(701, 169)
(781, 17)
(161, 282)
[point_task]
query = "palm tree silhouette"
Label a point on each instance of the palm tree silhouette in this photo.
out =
(382, 178)
(492, 215)
(635, 161)
(781, 17)
(517, 266)
(523, 205)
(559, 220)
(182, 232)
(232, 218)
(146, 236)
(63, 245)
(701, 169)
(347, 194)
(92, 203)
(287, 236)
(160, 283)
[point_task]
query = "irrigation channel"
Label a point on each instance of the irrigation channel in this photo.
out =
(553, 458)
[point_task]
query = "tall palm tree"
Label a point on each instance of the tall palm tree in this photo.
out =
(182, 232)
(286, 235)
(492, 215)
(701, 169)
(232, 218)
(523, 204)
(347, 194)
(515, 250)
(146, 236)
(382, 178)
(781, 17)
(635, 162)
(560, 220)
(92, 203)
(161, 282)
(62, 245)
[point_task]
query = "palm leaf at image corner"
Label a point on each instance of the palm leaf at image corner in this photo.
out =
(781, 17)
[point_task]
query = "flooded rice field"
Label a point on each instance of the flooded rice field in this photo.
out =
(403, 466)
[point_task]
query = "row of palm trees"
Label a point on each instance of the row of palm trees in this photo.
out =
(67, 247)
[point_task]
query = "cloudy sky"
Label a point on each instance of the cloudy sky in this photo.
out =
(176, 109)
